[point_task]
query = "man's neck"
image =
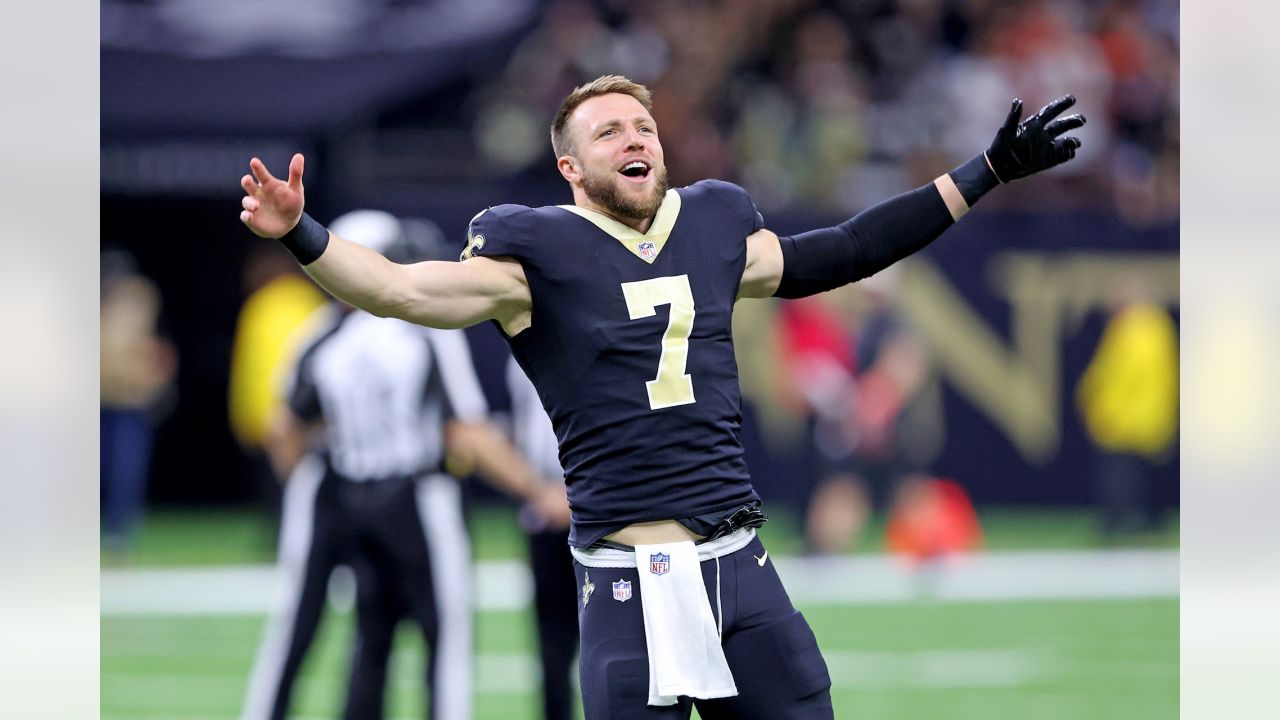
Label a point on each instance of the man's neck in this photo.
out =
(640, 225)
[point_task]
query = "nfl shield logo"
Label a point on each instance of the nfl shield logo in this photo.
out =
(647, 250)
(659, 563)
(622, 590)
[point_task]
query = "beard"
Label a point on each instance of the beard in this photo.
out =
(605, 190)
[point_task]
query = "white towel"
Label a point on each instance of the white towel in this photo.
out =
(685, 656)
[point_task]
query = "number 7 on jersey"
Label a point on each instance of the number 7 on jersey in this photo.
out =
(672, 386)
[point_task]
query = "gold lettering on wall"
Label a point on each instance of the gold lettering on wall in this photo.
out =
(1017, 382)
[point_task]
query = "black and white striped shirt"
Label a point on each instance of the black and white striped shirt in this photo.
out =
(385, 389)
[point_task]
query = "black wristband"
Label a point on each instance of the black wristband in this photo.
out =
(974, 178)
(307, 240)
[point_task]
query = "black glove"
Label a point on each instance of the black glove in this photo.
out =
(1021, 149)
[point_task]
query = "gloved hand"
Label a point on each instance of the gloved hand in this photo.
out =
(1023, 148)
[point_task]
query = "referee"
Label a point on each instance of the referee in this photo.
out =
(369, 408)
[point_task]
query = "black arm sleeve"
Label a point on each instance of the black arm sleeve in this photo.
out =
(874, 239)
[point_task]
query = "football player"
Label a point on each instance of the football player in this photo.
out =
(618, 307)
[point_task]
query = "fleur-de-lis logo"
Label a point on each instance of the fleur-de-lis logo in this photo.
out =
(474, 246)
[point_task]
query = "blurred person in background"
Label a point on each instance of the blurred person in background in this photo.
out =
(1142, 58)
(1128, 397)
(874, 416)
(663, 506)
(268, 327)
(373, 408)
(805, 135)
(136, 368)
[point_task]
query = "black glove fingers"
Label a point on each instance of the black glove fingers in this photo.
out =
(1015, 114)
(1053, 109)
(1064, 149)
(1061, 125)
(1025, 147)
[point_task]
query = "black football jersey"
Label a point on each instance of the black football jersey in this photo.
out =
(631, 350)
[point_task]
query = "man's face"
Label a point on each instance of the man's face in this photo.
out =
(620, 158)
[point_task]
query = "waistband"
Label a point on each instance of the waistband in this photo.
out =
(609, 557)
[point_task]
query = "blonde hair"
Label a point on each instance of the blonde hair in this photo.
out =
(561, 143)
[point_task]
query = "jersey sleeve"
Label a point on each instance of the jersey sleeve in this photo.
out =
(742, 209)
(497, 231)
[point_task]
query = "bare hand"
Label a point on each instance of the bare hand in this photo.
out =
(272, 206)
(552, 505)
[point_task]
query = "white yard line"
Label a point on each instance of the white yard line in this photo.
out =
(505, 585)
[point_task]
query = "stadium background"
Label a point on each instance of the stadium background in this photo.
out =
(438, 109)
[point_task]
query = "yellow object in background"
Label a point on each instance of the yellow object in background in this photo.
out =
(1129, 393)
(266, 338)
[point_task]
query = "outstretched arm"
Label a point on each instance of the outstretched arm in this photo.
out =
(433, 293)
(497, 461)
(874, 239)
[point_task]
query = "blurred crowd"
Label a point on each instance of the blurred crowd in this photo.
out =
(834, 105)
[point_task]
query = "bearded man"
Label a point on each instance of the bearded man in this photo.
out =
(618, 308)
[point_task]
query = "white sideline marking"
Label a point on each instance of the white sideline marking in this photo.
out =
(249, 589)
(1042, 575)
(505, 585)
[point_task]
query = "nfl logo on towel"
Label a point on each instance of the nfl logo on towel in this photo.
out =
(659, 563)
(647, 250)
(622, 590)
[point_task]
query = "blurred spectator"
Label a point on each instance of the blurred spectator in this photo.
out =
(1143, 61)
(799, 138)
(932, 520)
(279, 302)
(874, 415)
(1128, 397)
(136, 367)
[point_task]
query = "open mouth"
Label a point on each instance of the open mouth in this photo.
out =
(636, 170)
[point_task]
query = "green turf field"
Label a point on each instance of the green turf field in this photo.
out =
(1082, 659)
(245, 536)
